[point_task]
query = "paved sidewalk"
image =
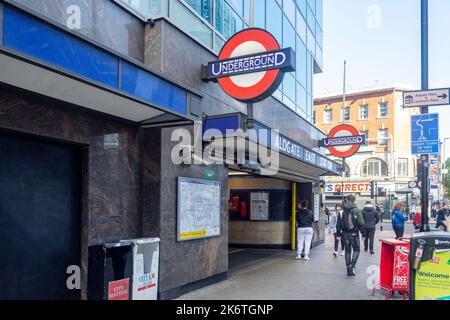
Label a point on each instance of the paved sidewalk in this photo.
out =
(276, 275)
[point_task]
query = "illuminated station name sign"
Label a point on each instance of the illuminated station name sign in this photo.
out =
(277, 59)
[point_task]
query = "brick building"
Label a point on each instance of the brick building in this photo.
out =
(386, 158)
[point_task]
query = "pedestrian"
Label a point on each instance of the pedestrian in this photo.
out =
(441, 218)
(398, 220)
(433, 212)
(335, 219)
(327, 216)
(305, 231)
(371, 219)
(350, 225)
(417, 221)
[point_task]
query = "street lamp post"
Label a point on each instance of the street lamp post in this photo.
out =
(424, 110)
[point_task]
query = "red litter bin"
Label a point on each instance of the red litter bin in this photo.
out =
(394, 266)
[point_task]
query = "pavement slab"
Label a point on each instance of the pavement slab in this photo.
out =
(260, 274)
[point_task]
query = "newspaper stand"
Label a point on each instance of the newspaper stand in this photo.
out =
(394, 266)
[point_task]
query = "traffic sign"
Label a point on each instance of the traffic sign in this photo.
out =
(425, 133)
(251, 65)
(343, 141)
(426, 98)
(412, 184)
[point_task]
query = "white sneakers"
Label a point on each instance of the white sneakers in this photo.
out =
(300, 258)
(335, 254)
(306, 258)
(342, 253)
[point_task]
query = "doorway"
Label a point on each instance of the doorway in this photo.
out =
(40, 217)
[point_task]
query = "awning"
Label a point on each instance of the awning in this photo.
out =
(44, 58)
(296, 162)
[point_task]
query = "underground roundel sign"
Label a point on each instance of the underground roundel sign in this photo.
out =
(344, 141)
(251, 65)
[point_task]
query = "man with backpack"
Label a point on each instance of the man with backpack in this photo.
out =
(350, 225)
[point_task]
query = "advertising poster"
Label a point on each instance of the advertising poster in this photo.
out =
(316, 207)
(433, 277)
(401, 268)
(434, 172)
(119, 290)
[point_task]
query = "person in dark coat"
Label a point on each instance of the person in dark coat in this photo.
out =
(371, 218)
(441, 218)
(350, 225)
(305, 231)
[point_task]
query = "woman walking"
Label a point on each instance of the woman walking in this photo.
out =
(398, 220)
(335, 219)
(305, 231)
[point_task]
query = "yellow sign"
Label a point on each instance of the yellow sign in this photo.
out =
(433, 278)
(193, 234)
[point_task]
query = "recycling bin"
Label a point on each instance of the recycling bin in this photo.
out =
(394, 266)
(430, 266)
(110, 271)
(145, 268)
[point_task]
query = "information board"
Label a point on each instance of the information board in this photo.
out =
(316, 207)
(198, 209)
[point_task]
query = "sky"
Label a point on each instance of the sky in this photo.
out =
(380, 40)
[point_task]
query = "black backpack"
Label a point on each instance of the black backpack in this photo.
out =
(349, 220)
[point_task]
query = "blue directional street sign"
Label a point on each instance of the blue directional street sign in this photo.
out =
(425, 133)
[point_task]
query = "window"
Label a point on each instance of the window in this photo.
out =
(328, 116)
(364, 112)
(346, 114)
(346, 172)
(202, 7)
(289, 10)
(227, 20)
(402, 167)
(275, 23)
(383, 136)
(366, 133)
(301, 60)
(383, 110)
(301, 26)
(289, 34)
(237, 4)
(374, 167)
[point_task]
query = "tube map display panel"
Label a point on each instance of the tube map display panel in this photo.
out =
(198, 209)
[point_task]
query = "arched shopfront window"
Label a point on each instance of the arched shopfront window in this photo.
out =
(374, 167)
(346, 171)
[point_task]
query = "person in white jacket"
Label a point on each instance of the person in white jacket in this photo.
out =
(337, 215)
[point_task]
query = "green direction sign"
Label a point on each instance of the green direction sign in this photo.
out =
(209, 174)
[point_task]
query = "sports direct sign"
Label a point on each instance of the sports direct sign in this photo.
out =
(343, 141)
(251, 65)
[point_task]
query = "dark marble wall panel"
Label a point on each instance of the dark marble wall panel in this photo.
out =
(111, 166)
(101, 20)
(185, 262)
(151, 179)
(170, 51)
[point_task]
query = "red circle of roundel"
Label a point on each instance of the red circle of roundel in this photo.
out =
(260, 89)
(352, 149)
